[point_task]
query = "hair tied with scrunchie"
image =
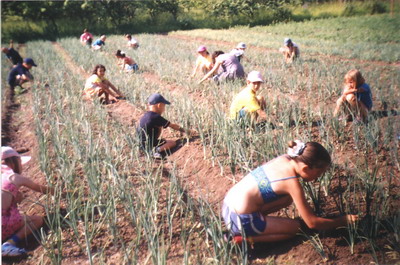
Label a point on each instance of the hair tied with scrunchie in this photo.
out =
(296, 150)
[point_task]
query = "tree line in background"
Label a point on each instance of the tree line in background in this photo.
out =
(27, 20)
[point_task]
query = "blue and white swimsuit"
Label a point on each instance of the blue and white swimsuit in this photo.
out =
(254, 223)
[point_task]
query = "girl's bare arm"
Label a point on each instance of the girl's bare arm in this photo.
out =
(311, 220)
(216, 66)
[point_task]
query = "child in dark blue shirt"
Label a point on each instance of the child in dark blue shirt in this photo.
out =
(151, 125)
(20, 73)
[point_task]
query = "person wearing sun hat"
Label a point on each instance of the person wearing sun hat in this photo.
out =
(151, 125)
(247, 103)
(15, 227)
(20, 73)
(290, 50)
(203, 61)
(239, 51)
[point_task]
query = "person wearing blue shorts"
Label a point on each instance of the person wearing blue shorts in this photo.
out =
(273, 186)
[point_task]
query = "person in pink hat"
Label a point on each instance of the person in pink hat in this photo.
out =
(14, 226)
(203, 62)
(247, 103)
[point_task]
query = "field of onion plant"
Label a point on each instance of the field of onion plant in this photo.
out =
(118, 204)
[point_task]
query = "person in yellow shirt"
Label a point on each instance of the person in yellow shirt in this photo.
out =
(247, 104)
(98, 85)
(203, 62)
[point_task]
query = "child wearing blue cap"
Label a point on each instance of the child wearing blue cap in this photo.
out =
(290, 50)
(20, 74)
(151, 125)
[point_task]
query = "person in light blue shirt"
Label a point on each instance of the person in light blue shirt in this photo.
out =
(99, 43)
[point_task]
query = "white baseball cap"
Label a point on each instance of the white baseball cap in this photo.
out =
(7, 152)
(255, 76)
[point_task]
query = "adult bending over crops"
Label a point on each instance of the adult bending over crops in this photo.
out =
(290, 50)
(99, 43)
(20, 73)
(12, 55)
(273, 186)
(246, 104)
(86, 38)
(98, 85)
(126, 62)
(204, 61)
(15, 227)
(151, 125)
(227, 65)
(356, 97)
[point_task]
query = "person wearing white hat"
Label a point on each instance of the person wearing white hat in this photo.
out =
(247, 103)
(290, 50)
(239, 51)
(14, 226)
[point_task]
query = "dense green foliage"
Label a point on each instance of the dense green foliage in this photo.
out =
(28, 20)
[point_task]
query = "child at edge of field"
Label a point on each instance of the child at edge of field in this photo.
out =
(126, 62)
(273, 186)
(20, 73)
(151, 125)
(356, 96)
(290, 50)
(204, 61)
(12, 55)
(15, 227)
(98, 85)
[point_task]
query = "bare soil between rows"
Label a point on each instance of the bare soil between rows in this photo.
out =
(199, 176)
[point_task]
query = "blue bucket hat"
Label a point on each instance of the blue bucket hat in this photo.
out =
(157, 98)
(29, 61)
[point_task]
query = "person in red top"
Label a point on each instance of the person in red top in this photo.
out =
(86, 38)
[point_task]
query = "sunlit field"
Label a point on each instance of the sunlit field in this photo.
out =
(118, 202)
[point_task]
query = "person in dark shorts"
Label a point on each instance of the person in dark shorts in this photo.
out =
(151, 125)
(12, 55)
(20, 73)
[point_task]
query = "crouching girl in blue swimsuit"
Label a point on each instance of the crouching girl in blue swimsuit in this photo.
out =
(273, 186)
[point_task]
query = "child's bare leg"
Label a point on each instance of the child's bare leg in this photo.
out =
(339, 104)
(31, 223)
(168, 145)
(278, 229)
(113, 90)
(363, 111)
(354, 106)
